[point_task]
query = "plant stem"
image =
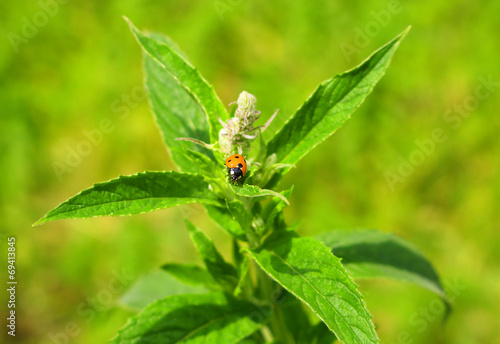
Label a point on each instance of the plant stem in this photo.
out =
(277, 322)
(267, 334)
(280, 327)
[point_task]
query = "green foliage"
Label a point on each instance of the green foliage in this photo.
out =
(130, 195)
(192, 318)
(234, 302)
(156, 285)
(330, 106)
(225, 274)
(242, 216)
(372, 254)
(307, 269)
(224, 218)
(255, 191)
(168, 58)
(274, 207)
(176, 112)
(190, 274)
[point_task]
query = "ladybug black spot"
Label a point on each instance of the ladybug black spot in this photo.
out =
(240, 165)
(237, 157)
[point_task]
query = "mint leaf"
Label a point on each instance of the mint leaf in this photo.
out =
(136, 194)
(248, 190)
(242, 276)
(192, 319)
(242, 216)
(250, 341)
(307, 269)
(202, 163)
(373, 254)
(222, 272)
(188, 76)
(190, 274)
(329, 107)
(176, 112)
(274, 207)
(222, 217)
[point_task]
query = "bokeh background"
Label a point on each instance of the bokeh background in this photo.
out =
(65, 66)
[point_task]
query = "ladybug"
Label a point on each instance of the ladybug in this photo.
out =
(236, 167)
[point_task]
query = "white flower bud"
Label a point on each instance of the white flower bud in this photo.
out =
(239, 130)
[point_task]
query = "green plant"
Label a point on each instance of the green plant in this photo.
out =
(256, 298)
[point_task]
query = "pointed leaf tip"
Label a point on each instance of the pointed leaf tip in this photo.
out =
(135, 194)
(329, 107)
(169, 59)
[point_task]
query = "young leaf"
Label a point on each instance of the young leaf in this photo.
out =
(372, 254)
(223, 273)
(242, 266)
(250, 341)
(193, 319)
(153, 286)
(187, 76)
(177, 113)
(242, 276)
(307, 269)
(190, 274)
(225, 220)
(238, 256)
(240, 214)
(254, 191)
(136, 194)
(329, 107)
(274, 207)
(202, 163)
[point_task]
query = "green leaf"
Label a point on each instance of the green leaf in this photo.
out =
(136, 194)
(222, 217)
(329, 107)
(248, 190)
(249, 341)
(193, 319)
(176, 112)
(223, 273)
(203, 164)
(274, 207)
(242, 216)
(242, 276)
(153, 286)
(372, 254)
(238, 256)
(307, 269)
(188, 76)
(190, 274)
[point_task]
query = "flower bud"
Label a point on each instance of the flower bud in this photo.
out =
(238, 131)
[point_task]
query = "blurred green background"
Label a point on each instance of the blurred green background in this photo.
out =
(65, 67)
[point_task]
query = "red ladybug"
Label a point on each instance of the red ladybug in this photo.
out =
(236, 167)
